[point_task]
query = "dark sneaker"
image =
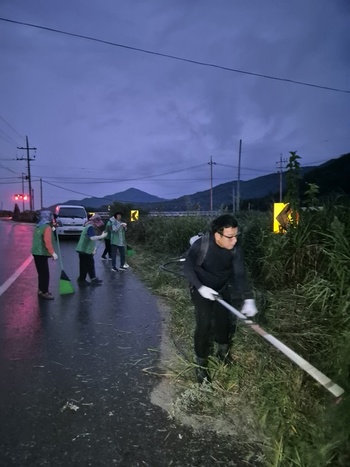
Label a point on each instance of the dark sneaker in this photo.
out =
(114, 269)
(83, 283)
(223, 354)
(103, 257)
(47, 296)
(123, 268)
(39, 293)
(96, 281)
(202, 373)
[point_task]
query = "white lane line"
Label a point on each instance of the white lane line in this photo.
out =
(14, 276)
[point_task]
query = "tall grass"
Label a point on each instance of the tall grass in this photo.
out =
(301, 281)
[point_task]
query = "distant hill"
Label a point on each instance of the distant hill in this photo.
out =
(332, 176)
(131, 195)
(223, 195)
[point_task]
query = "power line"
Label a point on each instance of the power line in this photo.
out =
(244, 168)
(7, 123)
(174, 57)
(78, 192)
(166, 173)
(150, 178)
(7, 168)
(7, 138)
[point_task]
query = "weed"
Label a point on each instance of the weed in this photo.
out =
(301, 280)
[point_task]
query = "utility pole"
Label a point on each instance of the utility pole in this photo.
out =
(41, 193)
(279, 167)
(28, 168)
(233, 200)
(211, 163)
(23, 192)
(24, 177)
(239, 175)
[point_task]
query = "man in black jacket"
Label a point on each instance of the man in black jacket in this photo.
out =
(219, 269)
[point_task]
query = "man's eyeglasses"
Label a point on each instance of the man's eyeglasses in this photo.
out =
(230, 236)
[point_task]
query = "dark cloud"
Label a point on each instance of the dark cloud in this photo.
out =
(98, 112)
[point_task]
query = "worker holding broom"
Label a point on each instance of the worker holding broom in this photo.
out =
(42, 250)
(214, 265)
(87, 248)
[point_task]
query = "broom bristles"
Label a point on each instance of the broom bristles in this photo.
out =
(66, 287)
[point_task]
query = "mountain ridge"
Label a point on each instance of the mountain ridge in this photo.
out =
(224, 194)
(131, 195)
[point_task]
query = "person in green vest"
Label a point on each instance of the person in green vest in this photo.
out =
(42, 250)
(87, 248)
(118, 242)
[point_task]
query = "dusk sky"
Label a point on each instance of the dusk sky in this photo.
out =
(164, 86)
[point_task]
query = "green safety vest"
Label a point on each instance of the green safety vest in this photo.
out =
(38, 246)
(85, 245)
(118, 237)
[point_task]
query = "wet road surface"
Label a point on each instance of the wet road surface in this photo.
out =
(73, 387)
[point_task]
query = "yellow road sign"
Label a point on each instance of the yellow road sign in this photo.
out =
(282, 216)
(134, 215)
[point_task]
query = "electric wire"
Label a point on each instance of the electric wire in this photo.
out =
(13, 129)
(175, 57)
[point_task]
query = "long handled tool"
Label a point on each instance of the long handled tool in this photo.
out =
(336, 390)
(303, 364)
(65, 287)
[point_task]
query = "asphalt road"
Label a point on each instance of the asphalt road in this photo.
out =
(73, 389)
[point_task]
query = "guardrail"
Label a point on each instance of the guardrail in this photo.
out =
(183, 213)
(107, 215)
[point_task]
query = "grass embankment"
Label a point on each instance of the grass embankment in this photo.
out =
(301, 281)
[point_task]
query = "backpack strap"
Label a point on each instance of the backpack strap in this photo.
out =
(203, 250)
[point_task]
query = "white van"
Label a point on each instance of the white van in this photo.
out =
(70, 219)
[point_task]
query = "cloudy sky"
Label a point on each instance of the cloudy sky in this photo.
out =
(164, 87)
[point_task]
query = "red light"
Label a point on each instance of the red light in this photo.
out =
(20, 196)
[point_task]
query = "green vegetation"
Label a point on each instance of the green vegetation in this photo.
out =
(301, 281)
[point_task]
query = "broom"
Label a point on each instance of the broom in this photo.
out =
(65, 287)
(130, 251)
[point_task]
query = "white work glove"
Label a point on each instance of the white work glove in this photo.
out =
(94, 252)
(207, 292)
(249, 309)
(55, 257)
(99, 237)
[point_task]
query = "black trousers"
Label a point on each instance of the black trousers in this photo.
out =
(213, 322)
(42, 267)
(107, 250)
(86, 266)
